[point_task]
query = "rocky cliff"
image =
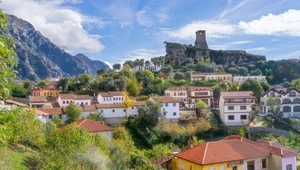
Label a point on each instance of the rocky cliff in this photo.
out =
(176, 52)
(38, 57)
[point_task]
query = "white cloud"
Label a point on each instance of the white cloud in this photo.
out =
(231, 9)
(256, 49)
(214, 29)
(63, 26)
(287, 23)
(228, 45)
(143, 19)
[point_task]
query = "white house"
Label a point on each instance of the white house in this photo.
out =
(170, 107)
(288, 99)
(235, 107)
(80, 100)
(241, 79)
(10, 104)
(142, 68)
(46, 114)
(111, 97)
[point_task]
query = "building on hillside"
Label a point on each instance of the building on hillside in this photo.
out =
(39, 102)
(188, 95)
(11, 104)
(241, 79)
(235, 153)
(51, 89)
(235, 107)
(46, 114)
(95, 127)
(80, 100)
(288, 99)
(219, 76)
(170, 107)
(142, 68)
(111, 97)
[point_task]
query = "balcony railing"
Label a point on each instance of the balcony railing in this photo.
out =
(296, 102)
(247, 101)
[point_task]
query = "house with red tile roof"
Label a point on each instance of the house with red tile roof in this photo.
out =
(51, 89)
(11, 104)
(46, 114)
(95, 127)
(111, 97)
(235, 153)
(235, 107)
(39, 102)
(80, 100)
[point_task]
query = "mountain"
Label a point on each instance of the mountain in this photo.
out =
(39, 58)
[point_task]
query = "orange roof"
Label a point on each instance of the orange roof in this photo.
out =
(37, 99)
(92, 126)
(237, 94)
(276, 148)
(165, 99)
(74, 97)
(89, 108)
(222, 151)
(111, 93)
(214, 73)
(16, 103)
(82, 97)
(67, 96)
(49, 111)
(115, 105)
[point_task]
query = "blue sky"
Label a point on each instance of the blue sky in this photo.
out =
(116, 30)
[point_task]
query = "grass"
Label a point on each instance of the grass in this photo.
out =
(13, 159)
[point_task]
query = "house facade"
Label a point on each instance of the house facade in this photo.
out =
(51, 89)
(11, 104)
(219, 76)
(46, 114)
(188, 95)
(241, 79)
(39, 102)
(142, 68)
(235, 107)
(80, 100)
(288, 99)
(111, 97)
(170, 107)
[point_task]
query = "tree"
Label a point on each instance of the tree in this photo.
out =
(166, 70)
(97, 116)
(120, 84)
(252, 85)
(64, 84)
(296, 83)
(179, 76)
(43, 82)
(129, 63)
(200, 105)
(57, 121)
(133, 87)
(265, 85)
(18, 91)
(27, 84)
(101, 71)
(73, 113)
(238, 71)
(128, 102)
(117, 66)
(256, 72)
(107, 84)
(7, 60)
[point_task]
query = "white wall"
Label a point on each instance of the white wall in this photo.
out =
(257, 163)
(46, 118)
(170, 109)
(290, 160)
(237, 119)
(64, 102)
(83, 102)
(110, 100)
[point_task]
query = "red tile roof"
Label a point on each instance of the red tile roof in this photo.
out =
(74, 97)
(89, 108)
(222, 151)
(189, 88)
(49, 111)
(116, 105)
(82, 97)
(111, 93)
(16, 103)
(237, 94)
(37, 99)
(276, 148)
(214, 73)
(93, 126)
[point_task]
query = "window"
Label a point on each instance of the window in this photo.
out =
(212, 168)
(174, 94)
(113, 98)
(289, 167)
(164, 113)
(50, 116)
(264, 163)
(230, 107)
(292, 94)
(174, 113)
(222, 167)
(64, 102)
(201, 93)
(230, 117)
(124, 110)
(234, 168)
(132, 107)
(243, 117)
(113, 110)
(272, 94)
(86, 103)
(104, 98)
(67, 102)
(250, 165)
(181, 166)
(166, 104)
(174, 104)
(243, 107)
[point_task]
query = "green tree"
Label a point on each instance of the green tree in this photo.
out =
(133, 87)
(296, 83)
(57, 121)
(179, 76)
(73, 113)
(166, 70)
(43, 82)
(64, 84)
(101, 71)
(27, 84)
(18, 91)
(252, 85)
(127, 103)
(265, 85)
(256, 72)
(117, 66)
(7, 60)
(97, 116)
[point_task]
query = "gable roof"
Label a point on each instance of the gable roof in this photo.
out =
(189, 88)
(237, 94)
(16, 103)
(113, 105)
(222, 151)
(37, 99)
(111, 93)
(74, 97)
(276, 148)
(89, 108)
(282, 91)
(92, 126)
(49, 111)
(164, 99)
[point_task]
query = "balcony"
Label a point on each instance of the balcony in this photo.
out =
(239, 101)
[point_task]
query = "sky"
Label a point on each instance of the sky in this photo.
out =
(117, 30)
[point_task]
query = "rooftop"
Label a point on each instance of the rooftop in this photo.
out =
(111, 93)
(92, 126)
(49, 111)
(37, 99)
(165, 99)
(189, 88)
(237, 94)
(214, 73)
(74, 97)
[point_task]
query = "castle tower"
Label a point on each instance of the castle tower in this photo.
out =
(201, 40)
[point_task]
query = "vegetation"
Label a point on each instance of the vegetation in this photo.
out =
(73, 113)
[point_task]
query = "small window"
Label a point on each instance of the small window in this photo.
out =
(243, 117)
(222, 167)
(132, 107)
(243, 107)
(212, 168)
(50, 116)
(86, 103)
(174, 113)
(230, 117)
(124, 110)
(289, 167)
(67, 102)
(113, 110)
(230, 107)
(113, 98)
(166, 104)
(164, 113)
(174, 104)
(264, 163)
(234, 168)
(64, 102)
(104, 98)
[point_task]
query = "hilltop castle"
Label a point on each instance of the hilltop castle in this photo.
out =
(201, 40)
